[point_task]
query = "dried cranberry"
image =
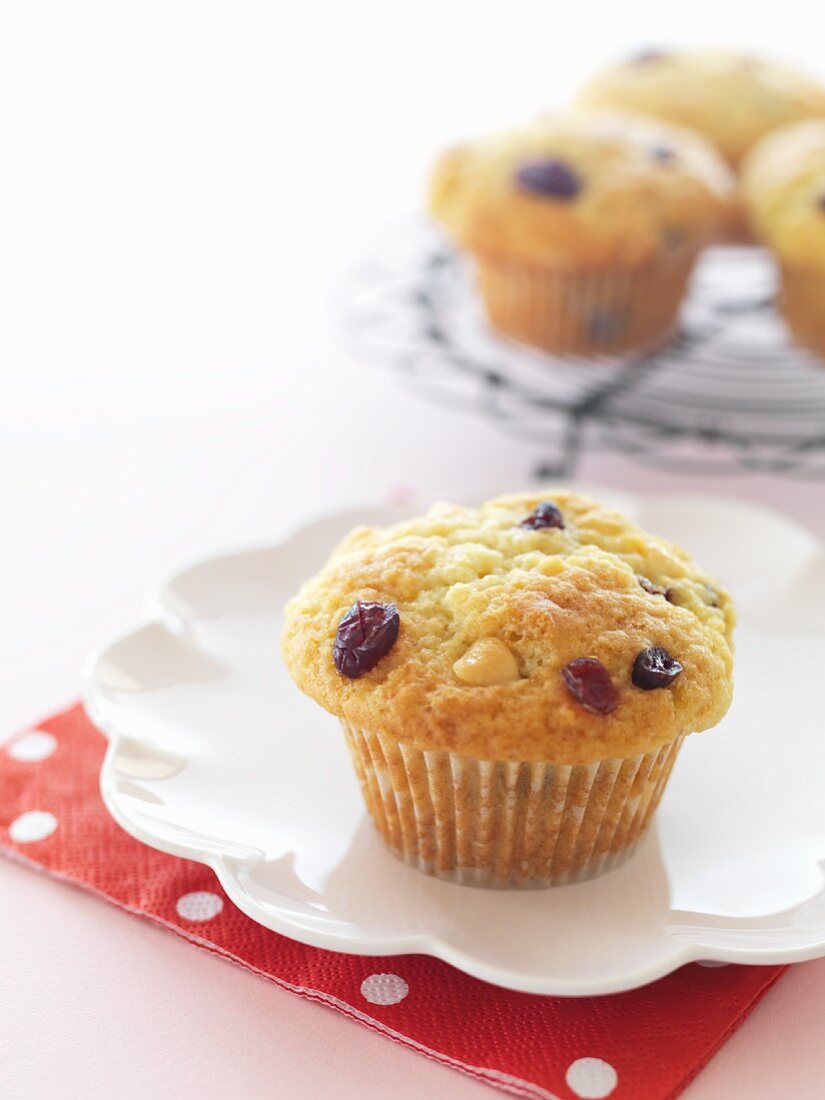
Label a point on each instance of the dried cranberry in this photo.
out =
(548, 176)
(545, 515)
(655, 668)
(650, 54)
(365, 634)
(590, 682)
(649, 586)
(663, 153)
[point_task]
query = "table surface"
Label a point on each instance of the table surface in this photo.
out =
(188, 185)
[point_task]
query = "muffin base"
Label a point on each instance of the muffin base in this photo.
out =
(802, 304)
(584, 313)
(507, 824)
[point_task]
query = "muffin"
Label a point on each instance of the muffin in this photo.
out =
(732, 99)
(584, 228)
(729, 98)
(783, 183)
(514, 681)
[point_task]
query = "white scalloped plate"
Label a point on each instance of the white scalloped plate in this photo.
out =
(215, 756)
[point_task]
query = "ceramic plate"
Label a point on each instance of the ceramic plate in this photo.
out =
(215, 756)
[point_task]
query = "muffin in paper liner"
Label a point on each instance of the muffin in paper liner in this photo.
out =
(584, 226)
(514, 680)
(586, 313)
(507, 824)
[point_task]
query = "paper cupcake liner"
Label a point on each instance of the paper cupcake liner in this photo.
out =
(502, 824)
(584, 313)
(802, 303)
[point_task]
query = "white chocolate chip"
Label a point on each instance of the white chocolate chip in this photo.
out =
(487, 662)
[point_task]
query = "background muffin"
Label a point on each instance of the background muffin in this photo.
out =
(520, 684)
(584, 228)
(784, 189)
(732, 99)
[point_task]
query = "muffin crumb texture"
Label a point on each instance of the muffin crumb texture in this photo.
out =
(492, 615)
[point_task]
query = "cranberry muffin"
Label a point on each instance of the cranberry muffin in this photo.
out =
(783, 184)
(584, 227)
(730, 98)
(514, 681)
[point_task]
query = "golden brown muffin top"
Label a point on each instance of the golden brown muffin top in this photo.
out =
(783, 182)
(583, 190)
(491, 612)
(731, 98)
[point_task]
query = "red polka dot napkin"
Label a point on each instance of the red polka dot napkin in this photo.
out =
(642, 1045)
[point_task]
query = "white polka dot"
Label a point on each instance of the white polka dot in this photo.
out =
(199, 905)
(384, 989)
(591, 1078)
(710, 963)
(31, 826)
(32, 747)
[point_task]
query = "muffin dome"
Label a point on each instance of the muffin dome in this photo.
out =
(497, 607)
(730, 98)
(783, 182)
(582, 190)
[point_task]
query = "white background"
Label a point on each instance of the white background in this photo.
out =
(182, 185)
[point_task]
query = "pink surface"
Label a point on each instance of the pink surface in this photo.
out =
(111, 1006)
(646, 1044)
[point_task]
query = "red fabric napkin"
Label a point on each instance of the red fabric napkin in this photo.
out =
(643, 1045)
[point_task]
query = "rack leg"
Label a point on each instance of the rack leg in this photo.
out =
(564, 464)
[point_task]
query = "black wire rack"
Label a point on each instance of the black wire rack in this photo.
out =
(728, 394)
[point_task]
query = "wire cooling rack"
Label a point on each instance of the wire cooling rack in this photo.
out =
(728, 393)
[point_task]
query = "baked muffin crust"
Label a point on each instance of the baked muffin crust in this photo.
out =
(731, 98)
(550, 595)
(633, 190)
